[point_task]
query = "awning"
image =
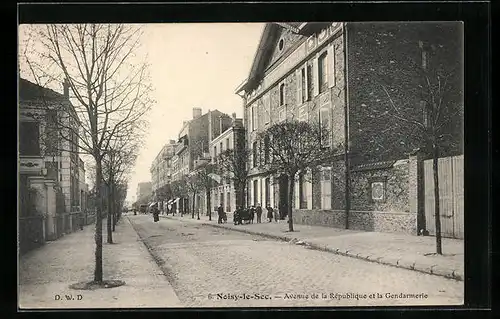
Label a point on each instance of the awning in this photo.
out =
(170, 201)
(152, 204)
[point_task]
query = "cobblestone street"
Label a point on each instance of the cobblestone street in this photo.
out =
(210, 267)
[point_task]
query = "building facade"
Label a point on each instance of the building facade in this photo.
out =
(231, 139)
(161, 169)
(144, 192)
(340, 75)
(51, 183)
(193, 144)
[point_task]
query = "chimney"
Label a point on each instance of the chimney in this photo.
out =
(66, 88)
(196, 112)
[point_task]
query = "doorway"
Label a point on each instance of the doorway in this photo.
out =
(283, 196)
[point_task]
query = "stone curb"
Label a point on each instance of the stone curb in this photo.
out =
(389, 261)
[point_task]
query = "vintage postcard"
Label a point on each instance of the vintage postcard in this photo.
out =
(300, 164)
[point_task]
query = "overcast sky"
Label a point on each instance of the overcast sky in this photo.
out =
(192, 65)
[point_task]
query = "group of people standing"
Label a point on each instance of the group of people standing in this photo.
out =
(251, 212)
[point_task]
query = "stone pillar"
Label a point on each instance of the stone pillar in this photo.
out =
(37, 182)
(51, 231)
(416, 189)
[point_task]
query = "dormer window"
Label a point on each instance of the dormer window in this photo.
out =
(281, 45)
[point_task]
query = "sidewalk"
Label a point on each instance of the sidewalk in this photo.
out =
(399, 250)
(45, 274)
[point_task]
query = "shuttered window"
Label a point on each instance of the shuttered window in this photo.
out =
(29, 138)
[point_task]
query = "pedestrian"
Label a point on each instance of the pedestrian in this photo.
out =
(276, 215)
(220, 213)
(135, 211)
(258, 211)
(156, 214)
(252, 213)
(269, 213)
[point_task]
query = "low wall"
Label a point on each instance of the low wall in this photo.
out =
(387, 222)
(331, 218)
(390, 222)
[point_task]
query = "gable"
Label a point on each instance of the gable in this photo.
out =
(285, 40)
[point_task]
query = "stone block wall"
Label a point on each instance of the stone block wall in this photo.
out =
(390, 214)
(331, 218)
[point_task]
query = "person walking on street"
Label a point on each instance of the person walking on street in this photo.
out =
(269, 213)
(156, 213)
(258, 210)
(220, 214)
(252, 214)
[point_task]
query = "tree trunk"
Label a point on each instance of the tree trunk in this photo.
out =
(192, 206)
(98, 223)
(115, 205)
(291, 184)
(110, 214)
(209, 203)
(437, 217)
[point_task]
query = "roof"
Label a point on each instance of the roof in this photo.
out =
(374, 166)
(265, 47)
(32, 91)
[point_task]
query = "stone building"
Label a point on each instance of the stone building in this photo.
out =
(50, 171)
(347, 76)
(161, 171)
(230, 139)
(194, 139)
(144, 192)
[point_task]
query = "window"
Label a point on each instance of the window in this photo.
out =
(326, 188)
(282, 94)
(215, 151)
(268, 190)
(281, 44)
(227, 143)
(254, 119)
(266, 150)
(424, 60)
(309, 81)
(267, 109)
(254, 154)
(325, 127)
(322, 73)
(255, 192)
(29, 138)
(303, 85)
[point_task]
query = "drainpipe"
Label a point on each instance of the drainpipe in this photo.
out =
(346, 132)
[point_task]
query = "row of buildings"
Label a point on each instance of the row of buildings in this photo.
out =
(52, 185)
(380, 89)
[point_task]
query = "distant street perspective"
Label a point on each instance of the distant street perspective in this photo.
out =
(278, 164)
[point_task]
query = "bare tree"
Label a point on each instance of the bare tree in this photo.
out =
(233, 163)
(193, 187)
(117, 163)
(292, 147)
(179, 189)
(206, 181)
(436, 120)
(109, 89)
